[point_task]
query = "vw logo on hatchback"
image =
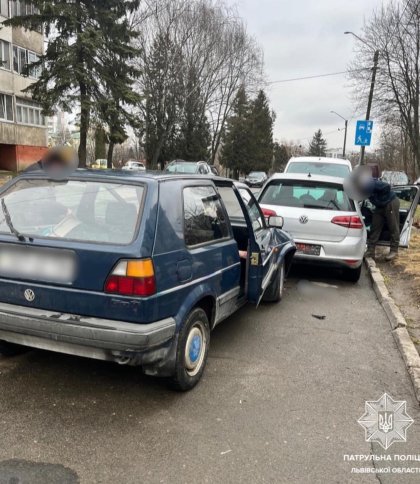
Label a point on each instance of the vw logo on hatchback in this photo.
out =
(303, 219)
(29, 295)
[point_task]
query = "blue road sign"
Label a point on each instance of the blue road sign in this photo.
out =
(363, 133)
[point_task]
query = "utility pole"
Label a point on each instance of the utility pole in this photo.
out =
(345, 131)
(345, 138)
(369, 106)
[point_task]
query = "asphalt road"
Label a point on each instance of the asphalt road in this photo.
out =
(279, 402)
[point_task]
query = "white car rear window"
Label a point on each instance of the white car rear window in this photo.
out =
(307, 194)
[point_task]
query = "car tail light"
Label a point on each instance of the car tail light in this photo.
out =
(350, 222)
(268, 213)
(132, 278)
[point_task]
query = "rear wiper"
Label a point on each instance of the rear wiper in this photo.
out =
(334, 203)
(9, 222)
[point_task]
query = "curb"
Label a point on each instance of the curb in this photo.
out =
(398, 325)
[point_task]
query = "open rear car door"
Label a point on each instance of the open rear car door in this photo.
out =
(409, 196)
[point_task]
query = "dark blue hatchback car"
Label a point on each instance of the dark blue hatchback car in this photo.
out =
(132, 268)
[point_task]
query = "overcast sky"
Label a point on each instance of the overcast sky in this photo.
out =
(303, 38)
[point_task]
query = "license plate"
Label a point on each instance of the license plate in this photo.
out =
(308, 249)
(47, 265)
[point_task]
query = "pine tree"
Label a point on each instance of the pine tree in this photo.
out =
(82, 37)
(194, 130)
(236, 139)
(281, 157)
(261, 140)
(318, 145)
(162, 93)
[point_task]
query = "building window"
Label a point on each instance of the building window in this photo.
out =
(4, 54)
(6, 107)
(4, 8)
(204, 218)
(29, 112)
(22, 59)
(22, 7)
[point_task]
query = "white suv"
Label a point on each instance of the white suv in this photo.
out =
(319, 166)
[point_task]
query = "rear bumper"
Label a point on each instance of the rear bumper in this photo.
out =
(84, 336)
(347, 253)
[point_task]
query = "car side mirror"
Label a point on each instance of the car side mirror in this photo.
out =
(276, 222)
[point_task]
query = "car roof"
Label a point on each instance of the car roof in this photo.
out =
(322, 159)
(306, 177)
(82, 173)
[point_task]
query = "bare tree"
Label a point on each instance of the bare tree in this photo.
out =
(394, 30)
(177, 37)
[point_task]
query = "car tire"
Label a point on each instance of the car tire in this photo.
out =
(274, 291)
(192, 351)
(10, 349)
(352, 275)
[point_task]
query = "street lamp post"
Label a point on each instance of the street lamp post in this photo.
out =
(345, 131)
(372, 88)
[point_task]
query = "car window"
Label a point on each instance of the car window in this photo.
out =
(406, 196)
(233, 207)
(307, 194)
(204, 217)
(73, 210)
(258, 174)
(188, 168)
(395, 177)
(319, 168)
(253, 209)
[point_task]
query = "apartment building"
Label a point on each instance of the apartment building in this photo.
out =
(23, 130)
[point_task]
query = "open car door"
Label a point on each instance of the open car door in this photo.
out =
(409, 196)
(264, 245)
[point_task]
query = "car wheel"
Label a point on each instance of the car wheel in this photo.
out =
(352, 275)
(274, 291)
(10, 349)
(192, 351)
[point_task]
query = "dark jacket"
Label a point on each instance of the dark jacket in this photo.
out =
(380, 193)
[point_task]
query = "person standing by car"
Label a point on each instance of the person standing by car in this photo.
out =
(387, 209)
(59, 158)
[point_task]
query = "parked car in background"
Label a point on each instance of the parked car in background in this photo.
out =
(99, 164)
(395, 177)
(256, 179)
(319, 166)
(133, 165)
(189, 167)
(325, 224)
(134, 269)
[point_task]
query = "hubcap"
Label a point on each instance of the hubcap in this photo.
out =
(195, 349)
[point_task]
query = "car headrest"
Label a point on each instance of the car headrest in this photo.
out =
(121, 214)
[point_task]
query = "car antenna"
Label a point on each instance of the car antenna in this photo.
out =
(309, 175)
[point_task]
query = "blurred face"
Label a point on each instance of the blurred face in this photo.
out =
(54, 163)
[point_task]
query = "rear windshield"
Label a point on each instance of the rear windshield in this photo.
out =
(72, 210)
(319, 168)
(182, 168)
(307, 194)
